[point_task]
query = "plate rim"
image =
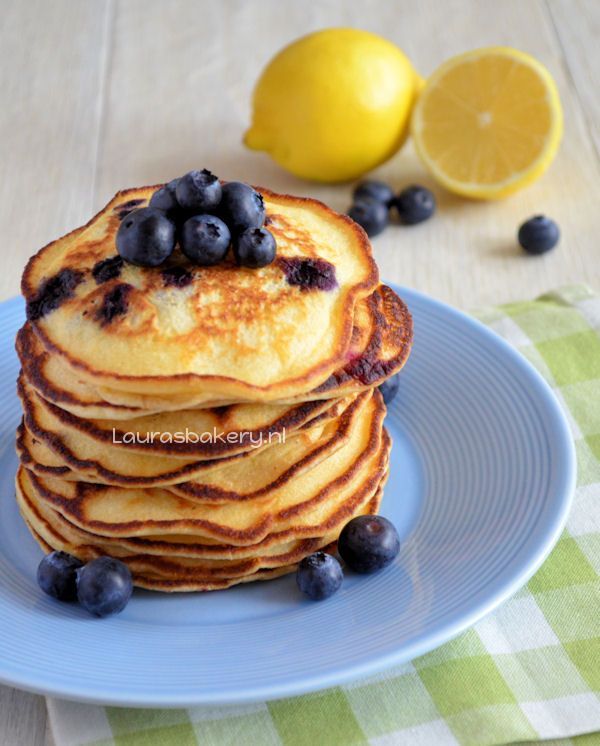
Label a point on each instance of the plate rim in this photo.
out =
(427, 640)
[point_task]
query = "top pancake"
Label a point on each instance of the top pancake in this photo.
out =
(241, 334)
(380, 344)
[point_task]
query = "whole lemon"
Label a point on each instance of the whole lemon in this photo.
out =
(334, 104)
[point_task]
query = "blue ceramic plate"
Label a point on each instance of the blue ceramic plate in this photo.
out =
(482, 474)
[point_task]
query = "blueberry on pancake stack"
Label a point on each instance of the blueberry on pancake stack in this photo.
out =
(200, 372)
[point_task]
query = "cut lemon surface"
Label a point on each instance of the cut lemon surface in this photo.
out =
(488, 122)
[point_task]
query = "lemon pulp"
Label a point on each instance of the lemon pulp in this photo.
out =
(488, 122)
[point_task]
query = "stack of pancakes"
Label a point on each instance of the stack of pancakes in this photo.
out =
(206, 425)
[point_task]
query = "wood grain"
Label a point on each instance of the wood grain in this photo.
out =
(98, 96)
(22, 718)
(577, 27)
(52, 69)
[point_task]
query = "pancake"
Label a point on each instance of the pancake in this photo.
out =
(200, 433)
(98, 461)
(38, 457)
(240, 334)
(164, 545)
(186, 573)
(380, 345)
(87, 546)
(154, 583)
(56, 383)
(318, 497)
(60, 385)
(387, 347)
(80, 458)
(35, 510)
(234, 479)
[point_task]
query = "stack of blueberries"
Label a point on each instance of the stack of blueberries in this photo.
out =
(205, 217)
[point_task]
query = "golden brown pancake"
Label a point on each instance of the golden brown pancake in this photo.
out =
(236, 479)
(239, 334)
(307, 510)
(95, 460)
(165, 545)
(198, 433)
(173, 571)
(380, 345)
(154, 583)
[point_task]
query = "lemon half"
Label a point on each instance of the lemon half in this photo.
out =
(488, 122)
(334, 104)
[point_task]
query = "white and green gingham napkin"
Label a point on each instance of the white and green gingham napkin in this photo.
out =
(529, 671)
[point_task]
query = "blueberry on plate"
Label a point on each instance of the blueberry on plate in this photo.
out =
(241, 207)
(368, 543)
(377, 190)
(104, 586)
(254, 247)
(57, 575)
(198, 191)
(165, 199)
(538, 234)
(414, 205)
(371, 215)
(205, 239)
(319, 575)
(146, 237)
(389, 388)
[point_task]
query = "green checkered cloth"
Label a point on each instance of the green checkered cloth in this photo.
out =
(529, 671)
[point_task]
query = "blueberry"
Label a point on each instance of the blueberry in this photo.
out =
(538, 234)
(414, 204)
(368, 543)
(371, 215)
(205, 239)
(199, 191)
(319, 576)
(164, 198)
(389, 388)
(377, 190)
(241, 207)
(56, 575)
(146, 237)
(104, 586)
(254, 247)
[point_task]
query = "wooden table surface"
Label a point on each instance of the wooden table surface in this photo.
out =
(96, 96)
